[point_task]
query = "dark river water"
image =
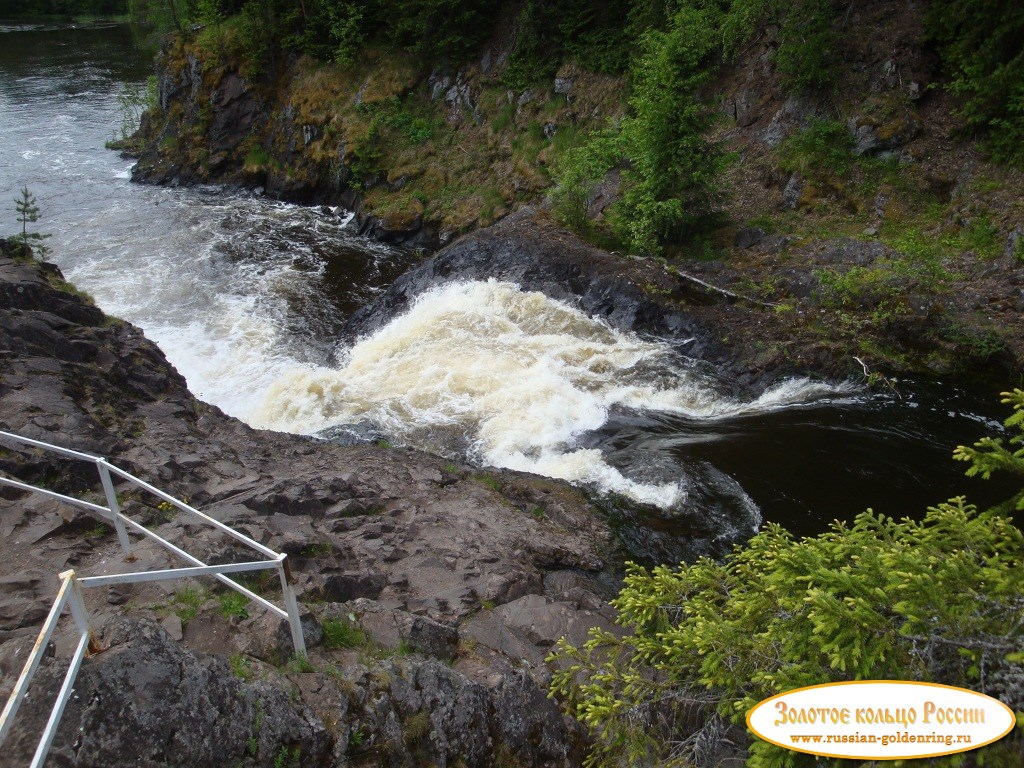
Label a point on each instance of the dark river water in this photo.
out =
(246, 297)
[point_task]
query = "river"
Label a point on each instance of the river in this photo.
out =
(246, 297)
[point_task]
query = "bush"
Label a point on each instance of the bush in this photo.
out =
(807, 39)
(592, 33)
(670, 176)
(579, 172)
(937, 600)
(672, 183)
(824, 148)
(982, 48)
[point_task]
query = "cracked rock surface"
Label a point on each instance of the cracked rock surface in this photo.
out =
(454, 583)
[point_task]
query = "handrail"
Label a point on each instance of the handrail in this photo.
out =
(69, 594)
(70, 590)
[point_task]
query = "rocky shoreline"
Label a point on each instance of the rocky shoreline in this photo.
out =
(449, 585)
(454, 583)
(907, 254)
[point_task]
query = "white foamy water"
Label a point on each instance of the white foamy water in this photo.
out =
(516, 375)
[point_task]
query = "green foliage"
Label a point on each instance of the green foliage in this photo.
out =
(579, 172)
(133, 100)
(806, 35)
(824, 147)
(28, 213)
(982, 237)
(241, 667)
(288, 758)
(300, 664)
(98, 531)
(323, 548)
(187, 601)
(415, 130)
(670, 171)
(253, 745)
(356, 737)
(257, 157)
(488, 480)
(440, 29)
(982, 47)
(889, 285)
(992, 454)
(344, 632)
(938, 600)
(592, 33)
(346, 31)
(671, 184)
(163, 15)
(233, 604)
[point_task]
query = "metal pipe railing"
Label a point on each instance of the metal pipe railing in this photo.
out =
(70, 590)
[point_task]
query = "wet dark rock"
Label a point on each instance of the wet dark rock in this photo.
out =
(147, 702)
(342, 587)
(748, 237)
(398, 228)
(235, 110)
(528, 250)
(429, 546)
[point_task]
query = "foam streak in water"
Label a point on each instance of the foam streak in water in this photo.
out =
(516, 375)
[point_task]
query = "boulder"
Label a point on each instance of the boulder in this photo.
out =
(873, 136)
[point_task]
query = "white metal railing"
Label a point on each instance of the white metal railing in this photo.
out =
(70, 589)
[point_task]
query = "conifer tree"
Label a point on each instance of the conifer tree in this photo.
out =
(28, 213)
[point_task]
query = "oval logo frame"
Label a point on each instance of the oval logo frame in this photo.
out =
(881, 720)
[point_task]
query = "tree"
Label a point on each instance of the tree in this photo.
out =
(28, 213)
(938, 599)
(991, 454)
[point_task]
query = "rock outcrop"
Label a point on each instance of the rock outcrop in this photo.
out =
(455, 589)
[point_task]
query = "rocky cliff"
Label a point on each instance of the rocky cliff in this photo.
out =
(860, 219)
(434, 591)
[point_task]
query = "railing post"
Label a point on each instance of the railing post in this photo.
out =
(79, 612)
(291, 605)
(115, 508)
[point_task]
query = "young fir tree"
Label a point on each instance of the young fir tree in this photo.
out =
(28, 213)
(937, 599)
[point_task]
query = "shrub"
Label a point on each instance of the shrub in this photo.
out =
(579, 172)
(825, 147)
(670, 176)
(672, 182)
(233, 604)
(982, 48)
(807, 39)
(938, 599)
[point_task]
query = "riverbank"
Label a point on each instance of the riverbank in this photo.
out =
(435, 590)
(452, 581)
(860, 233)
